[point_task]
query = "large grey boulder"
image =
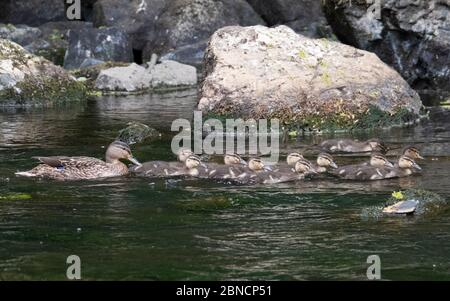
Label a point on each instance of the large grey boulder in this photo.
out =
(260, 72)
(26, 79)
(132, 78)
(411, 36)
(106, 44)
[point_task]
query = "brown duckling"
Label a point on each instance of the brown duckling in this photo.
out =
(405, 167)
(164, 168)
(353, 146)
(84, 168)
(376, 160)
(324, 162)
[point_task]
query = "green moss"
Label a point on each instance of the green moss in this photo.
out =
(15, 197)
(44, 91)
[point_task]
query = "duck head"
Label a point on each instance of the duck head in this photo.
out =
(303, 166)
(193, 162)
(120, 150)
(233, 159)
(406, 162)
(256, 164)
(326, 160)
(377, 146)
(183, 154)
(293, 158)
(378, 160)
(412, 152)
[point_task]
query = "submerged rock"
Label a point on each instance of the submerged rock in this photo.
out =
(259, 72)
(26, 79)
(106, 44)
(411, 36)
(131, 78)
(137, 132)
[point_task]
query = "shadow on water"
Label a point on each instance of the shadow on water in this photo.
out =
(132, 228)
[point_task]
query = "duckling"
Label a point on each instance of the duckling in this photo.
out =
(233, 159)
(353, 146)
(376, 160)
(81, 168)
(240, 174)
(324, 162)
(291, 160)
(192, 163)
(405, 167)
(412, 152)
(164, 168)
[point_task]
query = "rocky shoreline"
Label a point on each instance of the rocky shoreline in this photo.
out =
(255, 59)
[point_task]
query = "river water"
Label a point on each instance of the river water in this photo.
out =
(145, 229)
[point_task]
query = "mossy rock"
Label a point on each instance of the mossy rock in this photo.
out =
(34, 80)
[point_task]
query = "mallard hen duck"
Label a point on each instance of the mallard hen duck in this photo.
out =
(81, 168)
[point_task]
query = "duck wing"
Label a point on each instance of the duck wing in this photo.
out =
(75, 162)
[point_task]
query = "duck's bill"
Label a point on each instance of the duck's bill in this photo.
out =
(333, 165)
(267, 168)
(243, 162)
(204, 165)
(134, 161)
(389, 164)
(420, 157)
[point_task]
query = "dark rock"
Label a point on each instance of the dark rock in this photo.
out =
(106, 44)
(32, 12)
(190, 22)
(191, 54)
(259, 72)
(303, 16)
(50, 40)
(137, 18)
(411, 36)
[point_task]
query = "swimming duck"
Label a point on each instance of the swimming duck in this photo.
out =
(238, 174)
(353, 146)
(79, 168)
(405, 167)
(324, 162)
(163, 168)
(412, 152)
(289, 166)
(376, 160)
